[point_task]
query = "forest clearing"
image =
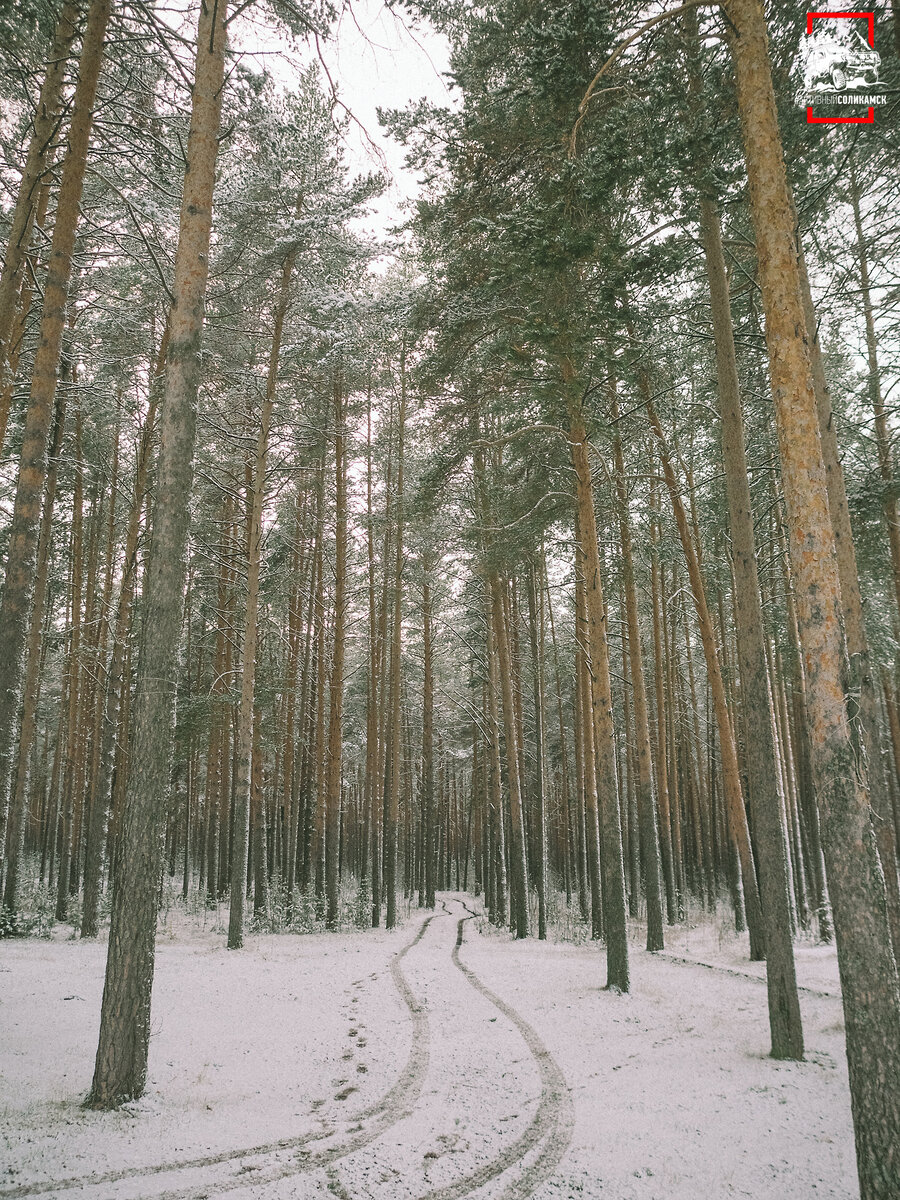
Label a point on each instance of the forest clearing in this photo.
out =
(431, 1092)
(450, 612)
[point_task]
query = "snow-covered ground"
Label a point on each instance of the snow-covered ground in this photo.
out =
(390, 1065)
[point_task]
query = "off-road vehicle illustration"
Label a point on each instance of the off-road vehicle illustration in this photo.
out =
(837, 57)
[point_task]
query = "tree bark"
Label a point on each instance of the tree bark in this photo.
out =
(371, 767)
(662, 772)
(121, 1067)
(69, 775)
(428, 741)
(518, 862)
(614, 908)
(21, 563)
(851, 597)
(730, 769)
(392, 810)
(871, 994)
(589, 816)
(766, 803)
(535, 629)
(497, 836)
(569, 841)
(876, 397)
(244, 780)
(645, 799)
(102, 798)
(336, 691)
(31, 691)
(40, 147)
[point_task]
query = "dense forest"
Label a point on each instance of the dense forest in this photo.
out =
(543, 547)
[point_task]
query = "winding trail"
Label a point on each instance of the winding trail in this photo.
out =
(480, 1104)
(391, 1107)
(518, 1163)
(553, 1120)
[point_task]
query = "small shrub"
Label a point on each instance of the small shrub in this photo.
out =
(35, 915)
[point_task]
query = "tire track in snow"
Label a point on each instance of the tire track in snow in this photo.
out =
(381, 1114)
(552, 1123)
(679, 960)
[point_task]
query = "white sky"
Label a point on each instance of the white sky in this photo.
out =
(380, 60)
(376, 59)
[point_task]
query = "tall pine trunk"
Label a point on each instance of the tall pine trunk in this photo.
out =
(428, 741)
(244, 780)
(645, 799)
(876, 396)
(661, 751)
(518, 861)
(766, 803)
(393, 740)
(121, 1066)
(21, 562)
(851, 597)
(614, 909)
(40, 150)
(336, 691)
(31, 692)
(730, 770)
(497, 855)
(869, 983)
(73, 671)
(539, 806)
(99, 812)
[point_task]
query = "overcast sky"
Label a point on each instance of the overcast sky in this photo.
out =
(376, 59)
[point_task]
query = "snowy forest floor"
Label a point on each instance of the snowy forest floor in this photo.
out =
(441, 1060)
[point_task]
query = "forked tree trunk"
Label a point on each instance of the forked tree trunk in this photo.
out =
(766, 802)
(869, 983)
(121, 1067)
(21, 563)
